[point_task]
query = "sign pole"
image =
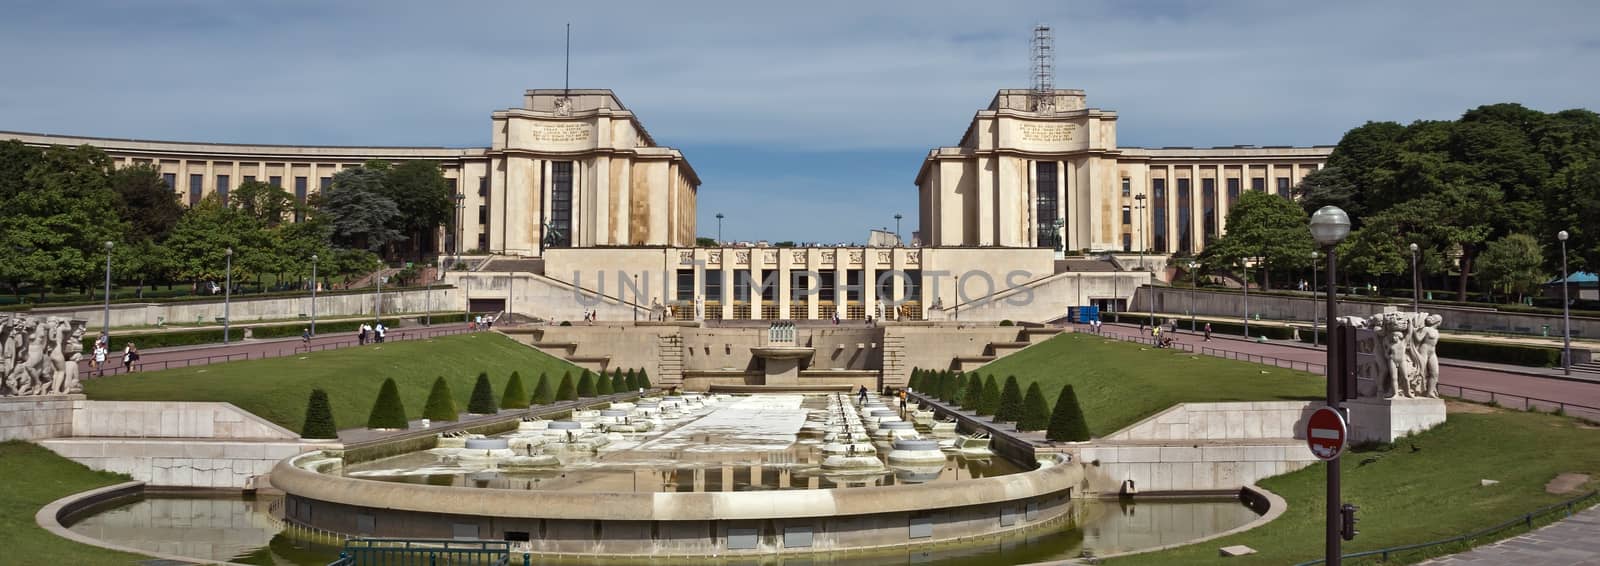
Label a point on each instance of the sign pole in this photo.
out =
(1335, 378)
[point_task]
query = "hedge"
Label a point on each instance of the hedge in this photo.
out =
(482, 400)
(1035, 410)
(1514, 354)
(191, 298)
(542, 395)
(566, 391)
(990, 401)
(214, 336)
(319, 417)
(387, 410)
(516, 395)
(1067, 422)
(441, 404)
(1010, 408)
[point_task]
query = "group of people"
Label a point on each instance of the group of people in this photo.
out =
(480, 322)
(373, 333)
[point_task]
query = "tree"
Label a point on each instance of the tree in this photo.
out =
(56, 216)
(441, 405)
(1375, 250)
(515, 396)
(644, 379)
(482, 401)
(1513, 265)
(387, 411)
(1266, 229)
(1035, 411)
(959, 390)
(602, 385)
(145, 203)
(1010, 408)
(990, 401)
(319, 417)
(361, 216)
(911, 381)
(267, 204)
(630, 380)
(586, 385)
(423, 200)
(200, 242)
(541, 392)
(1066, 422)
(618, 384)
(973, 397)
(704, 242)
(566, 391)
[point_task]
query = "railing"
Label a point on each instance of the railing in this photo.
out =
(406, 552)
(1521, 402)
(113, 367)
(1175, 344)
(1526, 521)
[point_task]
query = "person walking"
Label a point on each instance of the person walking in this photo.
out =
(1155, 333)
(305, 338)
(100, 355)
(130, 354)
(1208, 332)
(862, 395)
(904, 400)
(378, 332)
(361, 334)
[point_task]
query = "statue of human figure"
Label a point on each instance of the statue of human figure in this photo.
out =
(551, 234)
(53, 378)
(25, 373)
(1425, 345)
(1398, 360)
(10, 342)
(72, 349)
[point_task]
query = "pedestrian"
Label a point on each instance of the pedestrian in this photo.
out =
(100, 355)
(904, 400)
(862, 395)
(305, 337)
(130, 354)
(1156, 334)
(379, 332)
(361, 334)
(1208, 332)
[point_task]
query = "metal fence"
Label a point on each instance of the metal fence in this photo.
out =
(1526, 521)
(1177, 344)
(421, 552)
(286, 348)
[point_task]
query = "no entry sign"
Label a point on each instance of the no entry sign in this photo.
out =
(1326, 433)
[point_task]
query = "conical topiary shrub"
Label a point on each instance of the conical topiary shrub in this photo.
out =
(319, 417)
(542, 394)
(602, 385)
(941, 386)
(1035, 413)
(618, 384)
(566, 391)
(974, 394)
(914, 383)
(1066, 422)
(1010, 408)
(643, 379)
(388, 411)
(516, 396)
(959, 390)
(991, 397)
(482, 401)
(586, 385)
(441, 405)
(630, 380)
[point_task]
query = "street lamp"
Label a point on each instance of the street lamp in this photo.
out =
(106, 322)
(1314, 256)
(227, 295)
(457, 228)
(1329, 226)
(1566, 320)
(719, 228)
(313, 294)
(1246, 263)
(897, 229)
(1416, 279)
(1144, 234)
(1194, 282)
(377, 300)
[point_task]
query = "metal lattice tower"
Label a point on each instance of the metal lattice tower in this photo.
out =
(1044, 69)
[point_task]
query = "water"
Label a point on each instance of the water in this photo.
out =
(240, 530)
(748, 443)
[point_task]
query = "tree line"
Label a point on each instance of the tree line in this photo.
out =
(1483, 197)
(58, 205)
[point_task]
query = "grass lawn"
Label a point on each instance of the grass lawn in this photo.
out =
(1119, 383)
(33, 477)
(1424, 488)
(278, 388)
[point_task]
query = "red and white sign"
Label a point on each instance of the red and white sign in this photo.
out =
(1326, 432)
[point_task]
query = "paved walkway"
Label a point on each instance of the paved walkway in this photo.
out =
(1575, 540)
(202, 354)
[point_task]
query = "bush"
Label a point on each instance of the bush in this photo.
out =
(319, 417)
(1501, 353)
(441, 405)
(1006, 322)
(1035, 412)
(959, 389)
(644, 379)
(631, 378)
(542, 395)
(602, 385)
(911, 382)
(482, 401)
(566, 391)
(1066, 422)
(586, 385)
(618, 384)
(991, 397)
(973, 397)
(1010, 408)
(566, 323)
(516, 396)
(388, 411)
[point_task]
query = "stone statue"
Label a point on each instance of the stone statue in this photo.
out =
(1404, 359)
(552, 235)
(1425, 355)
(39, 356)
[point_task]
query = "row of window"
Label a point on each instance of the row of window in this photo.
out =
(825, 287)
(224, 184)
(1208, 205)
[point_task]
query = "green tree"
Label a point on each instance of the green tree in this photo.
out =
(704, 242)
(482, 401)
(618, 384)
(602, 385)
(55, 218)
(630, 380)
(360, 215)
(200, 242)
(515, 396)
(973, 397)
(319, 417)
(990, 401)
(1066, 421)
(586, 385)
(145, 203)
(387, 411)
(1266, 229)
(423, 199)
(959, 390)
(441, 405)
(566, 391)
(1513, 265)
(1035, 411)
(267, 204)
(643, 379)
(542, 395)
(1010, 408)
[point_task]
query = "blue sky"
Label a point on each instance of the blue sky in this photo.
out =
(806, 121)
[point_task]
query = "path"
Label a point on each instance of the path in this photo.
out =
(1575, 540)
(184, 356)
(1480, 377)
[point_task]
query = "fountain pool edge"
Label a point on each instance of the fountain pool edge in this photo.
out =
(50, 516)
(1254, 497)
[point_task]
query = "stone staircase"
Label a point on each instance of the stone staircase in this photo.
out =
(567, 351)
(1590, 368)
(671, 348)
(894, 371)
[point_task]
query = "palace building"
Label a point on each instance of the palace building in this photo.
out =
(573, 207)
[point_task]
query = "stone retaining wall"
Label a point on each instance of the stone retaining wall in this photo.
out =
(34, 418)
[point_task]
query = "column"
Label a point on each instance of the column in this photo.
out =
(727, 283)
(985, 186)
(1197, 224)
(869, 282)
(755, 284)
(210, 179)
(785, 285)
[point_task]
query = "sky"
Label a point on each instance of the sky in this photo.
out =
(806, 121)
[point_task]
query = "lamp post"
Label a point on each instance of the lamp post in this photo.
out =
(456, 229)
(377, 299)
(635, 297)
(897, 239)
(1566, 321)
(719, 228)
(1194, 282)
(1314, 256)
(106, 320)
(1329, 226)
(1144, 234)
(313, 294)
(1246, 298)
(227, 295)
(1416, 282)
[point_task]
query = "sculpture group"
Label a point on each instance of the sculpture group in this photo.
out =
(1406, 353)
(39, 355)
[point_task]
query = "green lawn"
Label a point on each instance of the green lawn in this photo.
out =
(1119, 383)
(277, 388)
(1426, 488)
(33, 477)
